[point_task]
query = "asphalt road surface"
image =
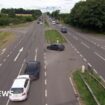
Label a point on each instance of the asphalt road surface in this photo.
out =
(54, 86)
(90, 47)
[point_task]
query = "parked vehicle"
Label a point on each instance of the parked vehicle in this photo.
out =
(20, 88)
(57, 47)
(33, 69)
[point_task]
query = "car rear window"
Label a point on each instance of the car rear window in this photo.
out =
(17, 90)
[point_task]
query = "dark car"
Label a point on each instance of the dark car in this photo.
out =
(33, 69)
(57, 47)
(64, 30)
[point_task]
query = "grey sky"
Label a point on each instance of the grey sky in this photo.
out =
(44, 5)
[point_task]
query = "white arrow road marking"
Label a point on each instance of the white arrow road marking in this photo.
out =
(18, 54)
(3, 51)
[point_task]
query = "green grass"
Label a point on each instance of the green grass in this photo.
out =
(83, 90)
(97, 89)
(53, 35)
(4, 37)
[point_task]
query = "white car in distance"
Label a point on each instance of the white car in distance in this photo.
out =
(20, 88)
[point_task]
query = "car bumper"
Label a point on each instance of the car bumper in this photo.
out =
(11, 98)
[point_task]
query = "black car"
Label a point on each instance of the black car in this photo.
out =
(57, 47)
(64, 30)
(33, 69)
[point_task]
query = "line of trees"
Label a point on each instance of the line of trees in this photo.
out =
(89, 14)
(9, 16)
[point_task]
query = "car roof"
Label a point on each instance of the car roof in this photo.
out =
(18, 83)
(32, 65)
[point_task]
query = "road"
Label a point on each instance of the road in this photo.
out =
(54, 86)
(89, 47)
(27, 47)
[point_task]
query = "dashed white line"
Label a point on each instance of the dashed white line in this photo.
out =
(45, 92)
(85, 45)
(45, 73)
(0, 64)
(45, 82)
(99, 56)
(85, 59)
(36, 51)
(78, 52)
(45, 62)
(81, 55)
(103, 48)
(89, 64)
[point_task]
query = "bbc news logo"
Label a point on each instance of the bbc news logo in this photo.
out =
(5, 93)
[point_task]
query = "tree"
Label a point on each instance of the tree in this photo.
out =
(55, 14)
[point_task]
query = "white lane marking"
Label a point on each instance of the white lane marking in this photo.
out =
(78, 52)
(45, 73)
(36, 51)
(81, 55)
(45, 62)
(45, 82)
(72, 85)
(8, 102)
(85, 59)
(85, 45)
(0, 64)
(102, 78)
(21, 67)
(45, 92)
(3, 51)
(95, 71)
(103, 48)
(99, 56)
(17, 56)
(89, 64)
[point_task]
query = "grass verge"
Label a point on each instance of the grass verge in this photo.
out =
(97, 89)
(53, 35)
(84, 93)
(5, 37)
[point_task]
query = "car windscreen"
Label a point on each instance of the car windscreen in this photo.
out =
(17, 90)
